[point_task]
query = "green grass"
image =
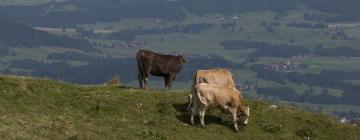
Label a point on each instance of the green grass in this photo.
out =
(43, 109)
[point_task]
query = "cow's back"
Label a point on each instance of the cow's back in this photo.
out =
(145, 57)
(221, 77)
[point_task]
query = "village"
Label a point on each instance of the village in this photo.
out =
(289, 65)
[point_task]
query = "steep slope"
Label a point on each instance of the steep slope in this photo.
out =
(44, 109)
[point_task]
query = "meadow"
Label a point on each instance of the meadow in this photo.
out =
(44, 109)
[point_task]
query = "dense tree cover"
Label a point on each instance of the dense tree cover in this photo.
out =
(100, 70)
(345, 10)
(68, 56)
(18, 34)
(264, 49)
(326, 78)
(129, 34)
(339, 51)
(306, 25)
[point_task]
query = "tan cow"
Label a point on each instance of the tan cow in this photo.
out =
(228, 98)
(220, 77)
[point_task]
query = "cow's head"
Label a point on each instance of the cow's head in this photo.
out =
(181, 59)
(243, 114)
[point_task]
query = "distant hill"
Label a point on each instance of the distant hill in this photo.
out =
(16, 34)
(58, 13)
(43, 109)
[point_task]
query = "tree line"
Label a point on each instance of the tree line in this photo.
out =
(129, 34)
(336, 52)
(99, 69)
(265, 49)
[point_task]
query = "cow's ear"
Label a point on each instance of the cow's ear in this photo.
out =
(183, 59)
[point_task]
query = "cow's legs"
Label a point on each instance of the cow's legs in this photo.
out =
(245, 111)
(202, 115)
(167, 83)
(146, 78)
(193, 112)
(189, 103)
(140, 78)
(233, 112)
(146, 86)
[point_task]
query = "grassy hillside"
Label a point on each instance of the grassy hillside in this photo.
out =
(43, 109)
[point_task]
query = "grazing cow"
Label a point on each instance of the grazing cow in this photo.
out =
(220, 77)
(228, 98)
(156, 64)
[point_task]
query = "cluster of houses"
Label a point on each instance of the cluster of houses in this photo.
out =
(289, 65)
(247, 86)
(352, 121)
(224, 18)
(335, 32)
(129, 44)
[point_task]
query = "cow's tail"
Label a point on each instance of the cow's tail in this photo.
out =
(199, 97)
(193, 91)
(139, 63)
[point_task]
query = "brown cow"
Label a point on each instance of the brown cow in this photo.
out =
(228, 98)
(156, 64)
(220, 77)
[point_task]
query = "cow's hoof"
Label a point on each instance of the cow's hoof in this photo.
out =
(192, 124)
(203, 126)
